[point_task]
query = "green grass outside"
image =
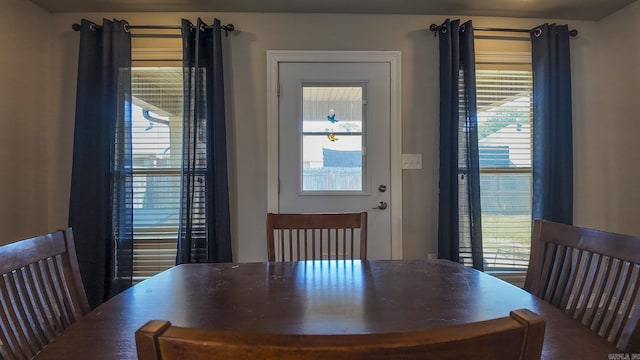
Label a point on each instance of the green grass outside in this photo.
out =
(506, 241)
(514, 228)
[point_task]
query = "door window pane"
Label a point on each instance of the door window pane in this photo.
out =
(332, 138)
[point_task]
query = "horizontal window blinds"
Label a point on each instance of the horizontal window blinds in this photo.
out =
(504, 138)
(156, 125)
(153, 251)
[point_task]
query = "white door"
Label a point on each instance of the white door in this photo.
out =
(334, 153)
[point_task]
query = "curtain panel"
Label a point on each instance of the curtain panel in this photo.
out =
(459, 224)
(204, 234)
(100, 208)
(552, 124)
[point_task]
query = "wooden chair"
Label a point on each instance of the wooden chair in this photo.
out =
(316, 236)
(519, 336)
(592, 275)
(41, 293)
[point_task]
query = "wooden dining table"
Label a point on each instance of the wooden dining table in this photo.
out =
(316, 297)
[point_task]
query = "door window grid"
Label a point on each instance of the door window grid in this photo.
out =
(332, 138)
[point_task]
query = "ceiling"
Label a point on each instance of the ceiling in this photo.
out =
(549, 9)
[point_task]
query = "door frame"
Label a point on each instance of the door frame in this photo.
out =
(394, 59)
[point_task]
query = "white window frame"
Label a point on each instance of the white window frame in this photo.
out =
(156, 58)
(515, 276)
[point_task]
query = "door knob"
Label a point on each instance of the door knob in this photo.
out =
(381, 205)
(382, 188)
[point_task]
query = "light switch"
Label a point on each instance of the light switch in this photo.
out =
(411, 161)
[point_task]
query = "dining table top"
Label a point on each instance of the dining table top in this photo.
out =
(316, 297)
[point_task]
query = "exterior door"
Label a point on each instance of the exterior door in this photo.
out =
(333, 136)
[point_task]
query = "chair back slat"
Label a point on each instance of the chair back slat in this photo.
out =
(40, 311)
(576, 258)
(518, 336)
(628, 332)
(592, 275)
(595, 304)
(293, 237)
(564, 274)
(53, 287)
(23, 316)
(582, 274)
(13, 341)
(611, 322)
(42, 308)
(52, 321)
(41, 293)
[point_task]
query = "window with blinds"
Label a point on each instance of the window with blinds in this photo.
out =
(504, 96)
(156, 123)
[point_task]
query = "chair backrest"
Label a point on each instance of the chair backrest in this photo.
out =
(518, 336)
(292, 237)
(41, 293)
(592, 275)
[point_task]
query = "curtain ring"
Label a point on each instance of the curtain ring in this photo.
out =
(537, 32)
(93, 27)
(126, 28)
(202, 27)
(462, 28)
(443, 29)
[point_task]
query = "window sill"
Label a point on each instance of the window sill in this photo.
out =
(515, 277)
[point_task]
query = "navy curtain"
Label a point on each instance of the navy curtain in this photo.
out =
(100, 209)
(459, 224)
(552, 128)
(204, 234)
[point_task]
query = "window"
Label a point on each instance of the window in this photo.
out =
(332, 137)
(504, 96)
(156, 115)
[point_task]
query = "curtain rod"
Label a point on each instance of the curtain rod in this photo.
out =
(227, 28)
(435, 28)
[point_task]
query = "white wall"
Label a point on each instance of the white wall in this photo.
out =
(23, 120)
(246, 76)
(257, 33)
(618, 122)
